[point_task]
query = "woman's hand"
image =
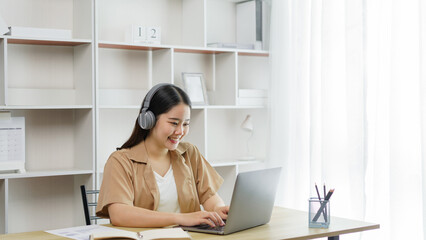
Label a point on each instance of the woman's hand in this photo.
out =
(222, 211)
(201, 217)
(215, 204)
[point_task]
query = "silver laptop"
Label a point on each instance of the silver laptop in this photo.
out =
(252, 202)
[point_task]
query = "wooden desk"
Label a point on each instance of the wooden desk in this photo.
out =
(285, 224)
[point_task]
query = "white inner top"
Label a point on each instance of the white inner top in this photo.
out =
(168, 193)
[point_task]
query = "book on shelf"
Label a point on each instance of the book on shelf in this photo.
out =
(163, 234)
(249, 23)
(3, 27)
(231, 45)
(39, 32)
(252, 97)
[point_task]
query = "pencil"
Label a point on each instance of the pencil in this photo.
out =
(329, 194)
(319, 198)
(316, 188)
(324, 190)
(325, 209)
(321, 209)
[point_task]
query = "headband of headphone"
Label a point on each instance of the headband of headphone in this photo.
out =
(146, 118)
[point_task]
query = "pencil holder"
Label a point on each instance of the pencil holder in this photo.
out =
(319, 213)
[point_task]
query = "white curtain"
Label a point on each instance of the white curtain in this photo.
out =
(348, 109)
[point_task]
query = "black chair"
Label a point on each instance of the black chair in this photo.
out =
(93, 194)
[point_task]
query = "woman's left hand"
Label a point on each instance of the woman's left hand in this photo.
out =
(222, 211)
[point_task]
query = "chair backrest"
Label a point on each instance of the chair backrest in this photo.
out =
(93, 195)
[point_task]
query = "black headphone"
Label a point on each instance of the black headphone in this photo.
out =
(146, 118)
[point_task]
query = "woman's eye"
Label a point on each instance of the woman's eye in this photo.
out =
(186, 124)
(174, 123)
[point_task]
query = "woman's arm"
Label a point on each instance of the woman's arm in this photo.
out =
(129, 216)
(216, 204)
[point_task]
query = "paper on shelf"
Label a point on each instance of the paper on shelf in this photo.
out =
(12, 144)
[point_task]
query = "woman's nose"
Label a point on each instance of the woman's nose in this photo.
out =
(179, 129)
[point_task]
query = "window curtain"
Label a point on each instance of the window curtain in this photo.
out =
(348, 109)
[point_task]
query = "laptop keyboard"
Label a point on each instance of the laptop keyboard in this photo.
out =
(208, 227)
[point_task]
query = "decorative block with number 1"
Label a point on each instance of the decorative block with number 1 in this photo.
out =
(138, 34)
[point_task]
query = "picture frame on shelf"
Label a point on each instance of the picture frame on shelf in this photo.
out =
(194, 86)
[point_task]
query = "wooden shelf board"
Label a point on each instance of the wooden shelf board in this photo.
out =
(54, 42)
(232, 107)
(195, 107)
(28, 107)
(254, 53)
(119, 106)
(209, 50)
(182, 49)
(222, 163)
(202, 50)
(49, 173)
(128, 46)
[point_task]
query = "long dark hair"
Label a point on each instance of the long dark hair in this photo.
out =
(164, 99)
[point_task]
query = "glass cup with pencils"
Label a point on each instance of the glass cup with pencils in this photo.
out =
(319, 210)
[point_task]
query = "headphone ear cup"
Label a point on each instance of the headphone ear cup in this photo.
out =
(146, 120)
(150, 120)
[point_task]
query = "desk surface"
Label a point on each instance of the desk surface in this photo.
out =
(285, 224)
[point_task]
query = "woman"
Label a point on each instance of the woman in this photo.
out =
(154, 179)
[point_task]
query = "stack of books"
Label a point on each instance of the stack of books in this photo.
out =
(252, 97)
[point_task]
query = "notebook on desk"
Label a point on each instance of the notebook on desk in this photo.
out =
(251, 204)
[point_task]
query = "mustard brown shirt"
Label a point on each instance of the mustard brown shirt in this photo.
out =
(129, 179)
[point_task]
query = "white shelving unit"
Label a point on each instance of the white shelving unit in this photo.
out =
(80, 97)
(50, 82)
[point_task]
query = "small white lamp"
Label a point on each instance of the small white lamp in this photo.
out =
(247, 126)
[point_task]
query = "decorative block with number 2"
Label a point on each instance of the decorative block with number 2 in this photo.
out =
(142, 34)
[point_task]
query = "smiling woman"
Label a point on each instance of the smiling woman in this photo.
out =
(154, 179)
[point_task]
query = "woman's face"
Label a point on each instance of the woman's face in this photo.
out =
(172, 126)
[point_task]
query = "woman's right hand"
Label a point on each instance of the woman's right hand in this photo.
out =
(201, 217)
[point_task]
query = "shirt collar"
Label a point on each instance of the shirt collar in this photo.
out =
(138, 153)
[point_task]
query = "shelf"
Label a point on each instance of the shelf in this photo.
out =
(49, 81)
(46, 107)
(119, 107)
(210, 50)
(253, 53)
(232, 163)
(232, 107)
(181, 49)
(194, 107)
(32, 174)
(129, 46)
(203, 50)
(47, 41)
